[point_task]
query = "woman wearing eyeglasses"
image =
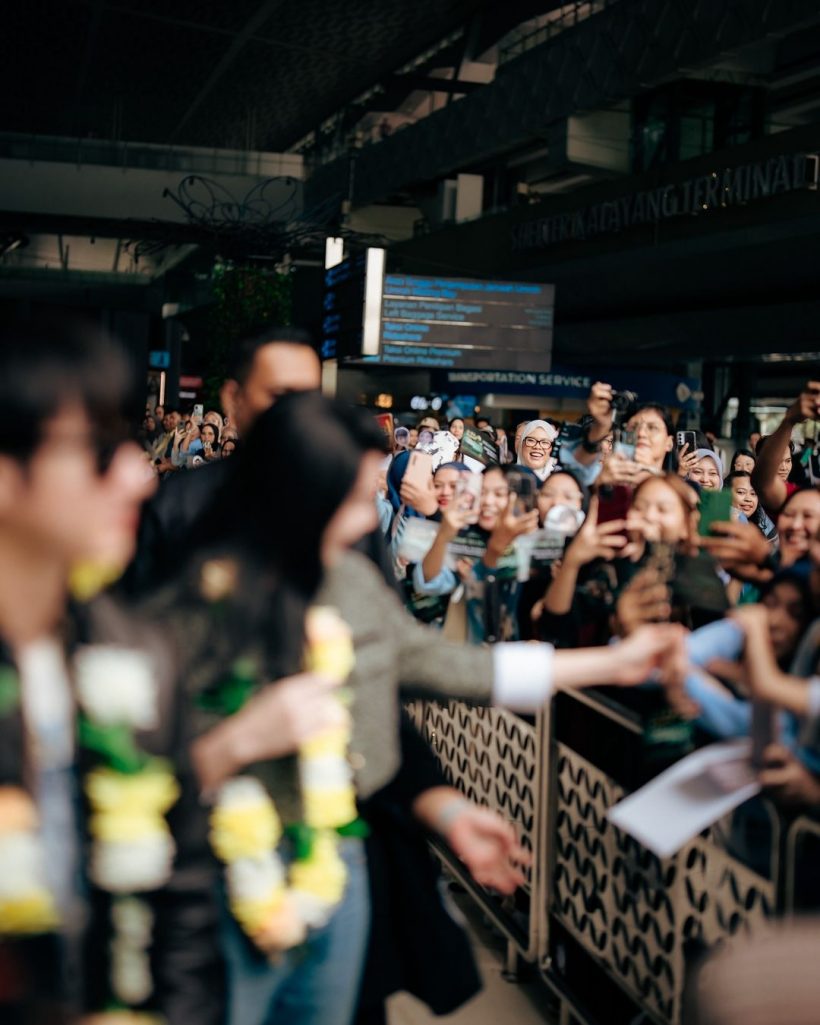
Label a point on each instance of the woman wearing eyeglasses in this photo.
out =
(535, 448)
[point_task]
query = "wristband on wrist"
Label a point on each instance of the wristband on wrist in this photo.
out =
(590, 446)
(449, 813)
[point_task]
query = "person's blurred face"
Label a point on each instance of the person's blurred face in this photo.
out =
(175, 419)
(62, 505)
(444, 483)
(495, 494)
(212, 417)
(518, 432)
(167, 423)
(652, 442)
(277, 369)
(412, 438)
(705, 473)
(457, 429)
(786, 616)
(797, 524)
(744, 496)
(661, 507)
(785, 467)
(228, 448)
(744, 463)
(558, 490)
(208, 434)
(536, 449)
(357, 515)
(149, 423)
(159, 412)
(754, 438)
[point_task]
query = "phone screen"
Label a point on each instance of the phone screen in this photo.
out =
(523, 486)
(715, 507)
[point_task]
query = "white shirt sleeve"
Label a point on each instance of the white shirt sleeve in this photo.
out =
(523, 675)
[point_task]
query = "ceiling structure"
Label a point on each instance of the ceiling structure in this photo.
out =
(254, 74)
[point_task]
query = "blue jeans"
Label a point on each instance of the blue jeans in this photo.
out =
(315, 984)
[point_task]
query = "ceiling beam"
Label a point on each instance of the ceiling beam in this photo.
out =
(428, 83)
(240, 40)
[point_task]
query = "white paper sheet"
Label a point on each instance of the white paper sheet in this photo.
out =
(693, 794)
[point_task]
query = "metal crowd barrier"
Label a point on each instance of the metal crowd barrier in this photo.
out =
(495, 758)
(612, 930)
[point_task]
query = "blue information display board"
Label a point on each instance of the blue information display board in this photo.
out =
(450, 322)
(435, 322)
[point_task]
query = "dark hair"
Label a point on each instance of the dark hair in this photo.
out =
(741, 452)
(47, 365)
(294, 470)
(214, 428)
(573, 477)
(652, 407)
(737, 475)
(245, 350)
(461, 418)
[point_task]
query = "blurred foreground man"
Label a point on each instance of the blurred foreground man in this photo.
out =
(264, 367)
(105, 882)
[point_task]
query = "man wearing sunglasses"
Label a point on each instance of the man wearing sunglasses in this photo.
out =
(70, 492)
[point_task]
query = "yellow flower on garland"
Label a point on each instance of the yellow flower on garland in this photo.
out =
(26, 905)
(87, 579)
(129, 807)
(329, 644)
(323, 874)
(244, 823)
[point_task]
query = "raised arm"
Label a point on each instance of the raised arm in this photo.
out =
(770, 487)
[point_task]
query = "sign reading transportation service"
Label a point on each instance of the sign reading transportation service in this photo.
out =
(435, 322)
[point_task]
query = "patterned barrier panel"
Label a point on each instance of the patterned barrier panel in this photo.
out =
(495, 758)
(638, 916)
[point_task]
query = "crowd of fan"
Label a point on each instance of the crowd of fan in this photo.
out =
(586, 532)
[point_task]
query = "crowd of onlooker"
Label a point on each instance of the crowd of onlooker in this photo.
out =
(584, 532)
(176, 440)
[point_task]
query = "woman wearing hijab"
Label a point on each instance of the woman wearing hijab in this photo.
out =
(707, 471)
(535, 448)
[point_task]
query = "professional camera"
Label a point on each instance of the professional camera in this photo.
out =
(622, 402)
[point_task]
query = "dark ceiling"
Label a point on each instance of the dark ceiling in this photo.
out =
(255, 74)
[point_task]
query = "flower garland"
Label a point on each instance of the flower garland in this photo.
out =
(276, 906)
(129, 793)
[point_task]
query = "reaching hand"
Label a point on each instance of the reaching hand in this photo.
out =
(510, 526)
(617, 469)
(786, 779)
(281, 716)
(740, 548)
(420, 498)
(488, 846)
(645, 600)
(594, 540)
(806, 406)
(599, 405)
(687, 460)
(651, 651)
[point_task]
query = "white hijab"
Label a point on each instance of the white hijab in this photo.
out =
(543, 472)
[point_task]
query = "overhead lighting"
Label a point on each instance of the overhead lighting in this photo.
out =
(10, 242)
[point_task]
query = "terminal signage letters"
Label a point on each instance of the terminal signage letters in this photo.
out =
(733, 186)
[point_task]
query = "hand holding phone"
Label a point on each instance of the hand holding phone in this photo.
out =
(715, 507)
(522, 485)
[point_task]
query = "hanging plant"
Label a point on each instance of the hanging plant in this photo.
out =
(246, 298)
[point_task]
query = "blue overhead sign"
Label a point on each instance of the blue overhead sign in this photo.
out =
(573, 383)
(158, 359)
